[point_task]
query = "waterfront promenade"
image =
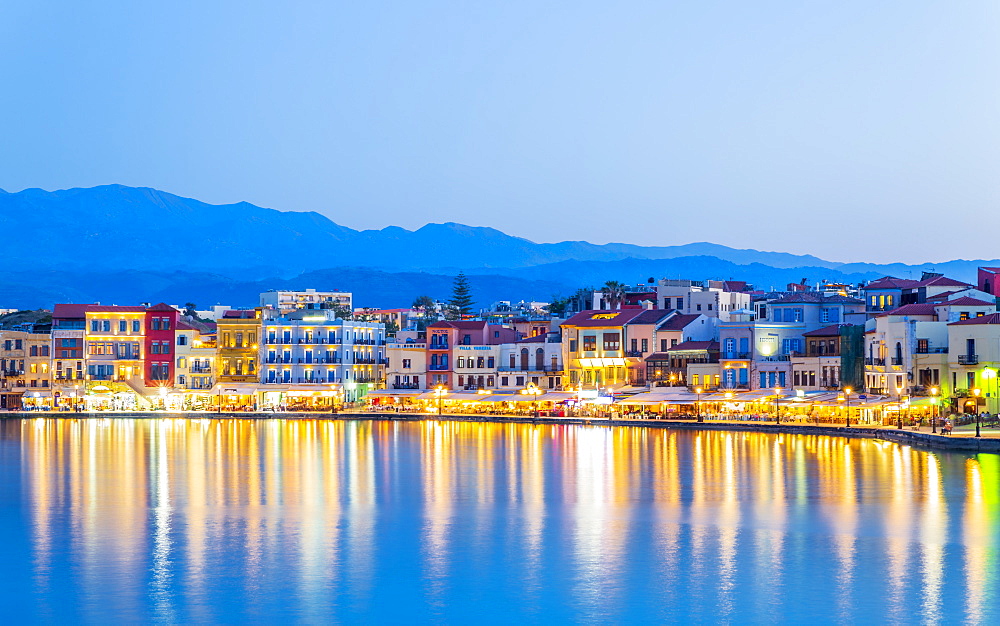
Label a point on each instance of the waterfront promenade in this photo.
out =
(962, 438)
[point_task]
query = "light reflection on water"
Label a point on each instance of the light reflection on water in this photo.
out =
(235, 520)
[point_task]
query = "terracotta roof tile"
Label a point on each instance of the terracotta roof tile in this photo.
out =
(678, 322)
(992, 318)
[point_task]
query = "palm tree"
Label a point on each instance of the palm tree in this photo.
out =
(614, 292)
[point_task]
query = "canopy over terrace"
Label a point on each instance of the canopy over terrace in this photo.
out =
(661, 397)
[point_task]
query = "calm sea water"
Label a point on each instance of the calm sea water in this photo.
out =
(317, 521)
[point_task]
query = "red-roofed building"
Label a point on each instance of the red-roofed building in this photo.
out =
(446, 339)
(161, 326)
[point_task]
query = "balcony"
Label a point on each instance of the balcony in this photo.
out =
(437, 368)
(776, 357)
(200, 369)
(544, 368)
(634, 353)
(929, 350)
(875, 362)
(896, 360)
(968, 359)
(364, 360)
(365, 379)
(405, 386)
(437, 346)
(739, 356)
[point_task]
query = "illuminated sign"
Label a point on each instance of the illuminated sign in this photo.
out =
(603, 316)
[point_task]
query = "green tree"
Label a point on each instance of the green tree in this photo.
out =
(614, 293)
(342, 312)
(190, 309)
(425, 304)
(461, 297)
(557, 307)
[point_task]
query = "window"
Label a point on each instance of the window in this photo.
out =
(645, 345)
(572, 345)
(635, 345)
(93, 326)
(181, 362)
(589, 343)
(122, 326)
(33, 351)
(461, 361)
(491, 362)
(964, 315)
(680, 303)
(480, 362)
(519, 381)
(154, 323)
(663, 345)
(182, 340)
(710, 307)
(698, 307)
(612, 341)
(503, 381)
(166, 323)
(136, 326)
(406, 364)
(154, 348)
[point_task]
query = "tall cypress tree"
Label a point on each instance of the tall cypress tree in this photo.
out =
(461, 296)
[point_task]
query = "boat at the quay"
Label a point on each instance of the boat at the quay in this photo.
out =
(207, 520)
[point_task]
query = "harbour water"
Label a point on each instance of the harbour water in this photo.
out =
(173, 520)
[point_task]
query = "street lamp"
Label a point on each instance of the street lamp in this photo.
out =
(439, 391)
(698, 391)
(899, 408)
(534, 392)
(76, 393)
(934, 401)
(729, 399)
(847, 396)
(777, 411)
(976, 393)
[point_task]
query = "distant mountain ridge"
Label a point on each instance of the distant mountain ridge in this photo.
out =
(170, 245)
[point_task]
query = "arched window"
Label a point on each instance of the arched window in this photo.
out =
(539, 359)
(899, 354)
(524, 359)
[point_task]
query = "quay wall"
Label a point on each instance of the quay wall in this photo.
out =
(908, 437)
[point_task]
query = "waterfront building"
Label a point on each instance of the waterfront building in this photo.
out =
(688, 363)
(237, 377)
(444, 339)
(115, 372)
(593, 350)
(406, 361)
(974, 363)
(195, 353)
(831, 359)
(528, 361)
(25, 375)
(288, 301)
(68, 329)
(322, 361)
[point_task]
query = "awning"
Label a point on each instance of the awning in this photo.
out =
(36, 394)
(660, 397)
(394, 393)
(235, 389)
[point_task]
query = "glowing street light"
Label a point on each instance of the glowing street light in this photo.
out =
(534, 392)
(847, 396)
(777, 411)
(439, 392)
(698, 391)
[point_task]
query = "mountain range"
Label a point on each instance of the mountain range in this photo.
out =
(121, 244)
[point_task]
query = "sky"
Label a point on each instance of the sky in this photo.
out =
(852, 130)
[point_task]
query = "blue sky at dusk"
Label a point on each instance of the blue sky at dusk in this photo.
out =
(853, 130)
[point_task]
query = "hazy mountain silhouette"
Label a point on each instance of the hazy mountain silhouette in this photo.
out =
(127, 244)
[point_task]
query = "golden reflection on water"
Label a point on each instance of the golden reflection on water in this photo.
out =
(731, 517)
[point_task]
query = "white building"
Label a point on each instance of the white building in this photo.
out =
(288, 301)
(313, 351)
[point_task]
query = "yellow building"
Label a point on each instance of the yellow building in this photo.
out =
(25, 375)
(113, 354)
(238, 337)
